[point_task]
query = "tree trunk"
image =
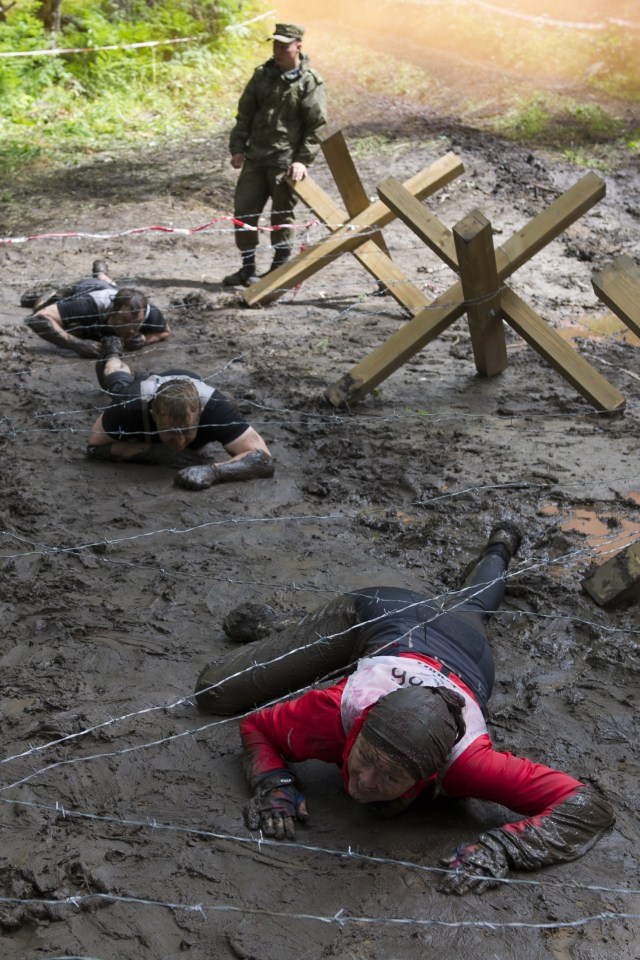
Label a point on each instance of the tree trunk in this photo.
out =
(49, 13)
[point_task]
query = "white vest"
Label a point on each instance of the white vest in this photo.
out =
(103, 300)
(150, 386)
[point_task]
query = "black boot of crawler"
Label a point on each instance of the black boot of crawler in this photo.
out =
(504, 539)
(111, 347)
(507, 535)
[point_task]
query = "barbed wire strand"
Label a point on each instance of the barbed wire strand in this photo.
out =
(341, 917)
(48, 550)
(152, 824)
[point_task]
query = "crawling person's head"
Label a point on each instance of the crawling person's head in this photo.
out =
(176, 411)
(406, 737)
(127, 313)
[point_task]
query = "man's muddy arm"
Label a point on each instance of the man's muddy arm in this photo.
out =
(148, 338)
(566, 833)
(47, 323)
(276, 803)
(262, 759)
(157, 337)
(250, 460)
(100, 446)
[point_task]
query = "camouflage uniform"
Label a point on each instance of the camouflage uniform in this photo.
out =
(278, 114)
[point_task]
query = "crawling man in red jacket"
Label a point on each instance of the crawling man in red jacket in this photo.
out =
(408, 716)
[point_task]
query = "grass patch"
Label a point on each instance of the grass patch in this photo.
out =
(577, 129)
(374, 143)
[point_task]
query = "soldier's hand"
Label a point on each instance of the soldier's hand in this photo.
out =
(297, 171)
(237, 159)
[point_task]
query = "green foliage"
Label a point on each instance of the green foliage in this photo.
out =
(53, 106)
(562, 122)
(370, 145)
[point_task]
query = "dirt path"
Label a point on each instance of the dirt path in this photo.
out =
(115, 582)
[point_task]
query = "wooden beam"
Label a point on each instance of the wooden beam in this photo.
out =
(476, 258)
(343, 169)
(561, 355)
(432, 320)
(549, 224)
(321, 203)
(348, 237)
(400, 347)
(418, 218)
(618, 285)
(521, 246)
(369, 255)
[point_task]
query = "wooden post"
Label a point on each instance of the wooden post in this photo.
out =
(344, 172)
(560, 354)
(428, 324)
(618, 285)
(348, 237)
(476, 258)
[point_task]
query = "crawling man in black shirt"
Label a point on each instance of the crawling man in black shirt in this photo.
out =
(82, 314)
(171, 418)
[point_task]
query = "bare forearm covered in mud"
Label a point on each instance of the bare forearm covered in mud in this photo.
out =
(156, 337)
(140, 340)
(101, 446)
(566, 833)
(47, 324)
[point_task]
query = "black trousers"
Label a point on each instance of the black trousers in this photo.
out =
(375, 621)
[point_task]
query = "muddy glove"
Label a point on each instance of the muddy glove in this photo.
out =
(84, 348)
(476, 866)
(257, 463)
(275, 806)
(197, 478)
(111, 347)
(137, 342)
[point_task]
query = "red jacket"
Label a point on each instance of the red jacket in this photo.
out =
(311, 727)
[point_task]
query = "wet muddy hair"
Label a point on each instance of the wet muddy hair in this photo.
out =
(416, 727)
(128, 301)
(177, 400)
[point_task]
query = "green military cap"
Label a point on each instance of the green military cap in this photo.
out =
(286, 32)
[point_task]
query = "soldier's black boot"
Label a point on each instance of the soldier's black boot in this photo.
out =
(246, 275)
(280, 257)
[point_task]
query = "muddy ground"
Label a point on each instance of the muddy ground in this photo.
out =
(121, 826)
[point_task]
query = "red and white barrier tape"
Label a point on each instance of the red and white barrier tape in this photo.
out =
(58, 51)
(184, 231)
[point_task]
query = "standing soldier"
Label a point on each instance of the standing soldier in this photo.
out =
(282, 106)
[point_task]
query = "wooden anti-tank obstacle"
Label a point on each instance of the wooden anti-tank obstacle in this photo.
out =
(618, 285)
(452, 304)
(352, 234)
(481, 292)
